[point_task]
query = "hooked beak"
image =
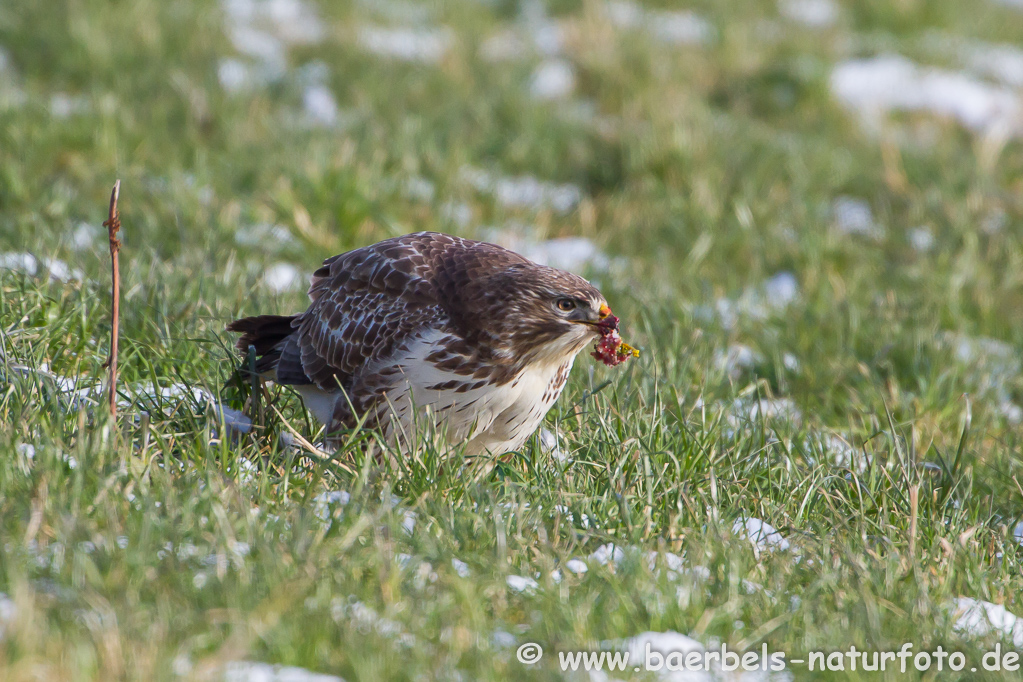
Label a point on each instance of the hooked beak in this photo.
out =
(605, 321)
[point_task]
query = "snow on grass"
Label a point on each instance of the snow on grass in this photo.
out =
(1001, 62)
(263, 234)
(737, 359)
(320, 106)
(681, 27)
(19, 262)
(282, 277)
(922, 239)
(423, 45)
(523, 191)
(837, 450)
(549, 444)
(852, 216)
(63, 105)
(761, 534)
(759, 302)
(993, 365)
(552, 79)
(811, 13)
(578, 566)
(57, 270)
(982, 618)
(8, 611)
(262, 31)
(522, 583)
(608, 554)
(875, 86)
(575, 254)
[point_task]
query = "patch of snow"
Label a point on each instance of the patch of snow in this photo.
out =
(774, 295)
(19, 262)
(292, 21)
(993, 365)
(8, 611)
(738, 358)
(521, 583)
(548, 37)
(608, 553)
(247, 671)
(1001, 62)
(524, 191)
(406, 44)
(624, 13)
(320, 106)
(325, 502)
(461, 568)
(811, 13)
(852, 216)
(457, 213)
(262, 46)
(85, 236)
(262, 31)
(61, 271)
(503, 640)
(775, 408)
(680, 28)
(26, 450)
(981, 618)
(420, 189)
(1014, 4)
(550, 445)
(263, 234)
(674, 28)
(574, 254)
(763, 535)
(30, 265)
(921, 239)
(552, 79)
(281, 277)
(578, 566)
(63, 105)
(875, 86)
(236, 76)
(790, 361)
(840, 452)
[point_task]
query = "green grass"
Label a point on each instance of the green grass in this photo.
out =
(153, 548)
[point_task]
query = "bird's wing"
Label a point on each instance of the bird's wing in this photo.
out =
(366, 304)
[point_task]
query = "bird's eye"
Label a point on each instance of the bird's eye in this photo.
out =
(566, 304)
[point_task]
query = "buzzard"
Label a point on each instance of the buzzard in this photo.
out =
(430, 330)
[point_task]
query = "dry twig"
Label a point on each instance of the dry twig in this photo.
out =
(113, 225)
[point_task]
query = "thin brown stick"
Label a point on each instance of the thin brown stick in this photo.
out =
(113, 225)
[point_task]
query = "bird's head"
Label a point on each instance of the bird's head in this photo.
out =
(543, 314)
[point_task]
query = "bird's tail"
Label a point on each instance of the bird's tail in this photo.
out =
(267, 333)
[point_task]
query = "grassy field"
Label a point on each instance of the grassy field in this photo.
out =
(827, 294)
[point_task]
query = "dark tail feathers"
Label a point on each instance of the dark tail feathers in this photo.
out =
(265, 332)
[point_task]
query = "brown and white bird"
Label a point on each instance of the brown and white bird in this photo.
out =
(462, 337)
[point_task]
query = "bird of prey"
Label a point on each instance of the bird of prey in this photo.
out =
(462, 337)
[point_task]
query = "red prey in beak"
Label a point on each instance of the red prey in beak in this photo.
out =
(610, 349)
